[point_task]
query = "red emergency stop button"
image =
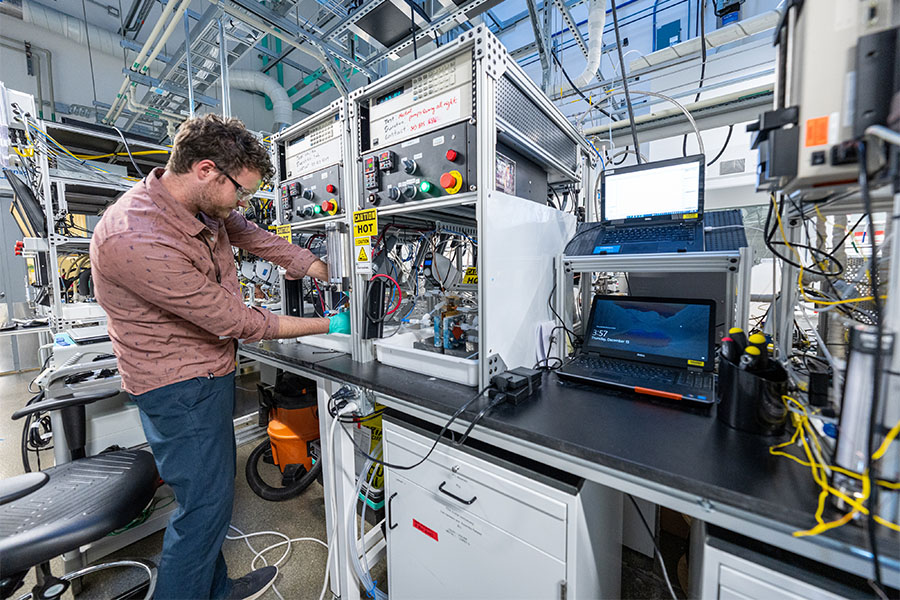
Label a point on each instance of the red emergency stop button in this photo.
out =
(330, 188)
(452, 181)
(452, 155)
(329, 207)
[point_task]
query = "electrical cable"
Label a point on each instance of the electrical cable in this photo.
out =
(437, 438)
(879, 357)
(128, 150)
(634, 136)
(500, 399)
(724, 146)
(580, 93)
(701, 9)
(656, 550)
(369, 293)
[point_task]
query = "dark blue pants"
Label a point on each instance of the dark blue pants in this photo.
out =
(190, 430)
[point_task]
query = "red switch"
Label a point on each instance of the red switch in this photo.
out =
(448, 180)
(452, 155)
(328, 206)
(330, 188)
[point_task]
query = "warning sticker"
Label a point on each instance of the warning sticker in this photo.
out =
(816, 132)
(427, 531)
(283, 231)
(363, 256)
(471, 275)
(365, 222)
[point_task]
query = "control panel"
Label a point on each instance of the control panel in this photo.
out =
(437, 164)
(314, 195)
(312, 177)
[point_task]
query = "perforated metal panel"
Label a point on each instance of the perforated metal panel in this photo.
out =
(516, 109)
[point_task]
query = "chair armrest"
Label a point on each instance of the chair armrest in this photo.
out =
(62, 402)
(13, 488)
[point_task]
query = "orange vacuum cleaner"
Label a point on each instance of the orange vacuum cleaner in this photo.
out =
(289, 412)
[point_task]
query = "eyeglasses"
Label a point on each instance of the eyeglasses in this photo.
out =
(243, 194)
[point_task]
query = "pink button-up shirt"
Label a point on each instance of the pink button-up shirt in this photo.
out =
(168, 283)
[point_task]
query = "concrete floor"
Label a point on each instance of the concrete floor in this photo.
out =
(301, 575)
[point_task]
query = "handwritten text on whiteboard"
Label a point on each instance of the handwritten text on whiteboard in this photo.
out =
(431, 113)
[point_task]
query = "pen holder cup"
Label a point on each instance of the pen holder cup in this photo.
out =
(752, 402)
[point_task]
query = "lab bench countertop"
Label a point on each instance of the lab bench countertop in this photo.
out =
(686, 451)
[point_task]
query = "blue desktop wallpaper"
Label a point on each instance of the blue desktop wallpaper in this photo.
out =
(666, 329)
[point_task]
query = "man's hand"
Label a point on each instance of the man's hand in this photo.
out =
(339, 323)
(318, 269)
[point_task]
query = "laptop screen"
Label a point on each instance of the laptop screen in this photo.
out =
(661, 331)
(658, 189)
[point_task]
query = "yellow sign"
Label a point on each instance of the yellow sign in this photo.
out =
(362, 255)
(696, 363)
(283, 231)
(362, 241)
(471, 275)
(365, 223)
(690, 215)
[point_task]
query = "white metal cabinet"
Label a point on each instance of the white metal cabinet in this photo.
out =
(464, 525)
(731, 572)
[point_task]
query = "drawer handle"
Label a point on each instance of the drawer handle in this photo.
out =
(391, 499)
(454, 496)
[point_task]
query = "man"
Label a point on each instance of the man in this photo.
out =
(164, 272)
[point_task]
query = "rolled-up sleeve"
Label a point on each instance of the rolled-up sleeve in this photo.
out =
(164, 276)
(250, 237)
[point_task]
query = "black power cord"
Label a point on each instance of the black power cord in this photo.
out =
(437, 438)
(701, 9)
(879, 360)
(634, 137)
(128, 150)
(572, 84)
(721, 152)
(662, 563)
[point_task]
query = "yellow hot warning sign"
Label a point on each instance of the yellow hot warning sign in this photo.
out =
(365, 223)
(283, 231)
(363, 257)
(471, 275)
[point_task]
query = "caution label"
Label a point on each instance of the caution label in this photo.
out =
(365, 223)
(471, 275)
(283, 231)
(365, 226)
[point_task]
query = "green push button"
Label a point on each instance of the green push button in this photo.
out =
(425, 187)
(317, 209)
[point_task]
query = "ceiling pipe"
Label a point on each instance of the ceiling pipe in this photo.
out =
(259, 82)
(596, 23)
(63, 25)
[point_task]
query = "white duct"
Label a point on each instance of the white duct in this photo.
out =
(260, 82)
(596, 23)
(69, 27)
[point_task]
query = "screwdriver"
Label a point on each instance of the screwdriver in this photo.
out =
(740, 338)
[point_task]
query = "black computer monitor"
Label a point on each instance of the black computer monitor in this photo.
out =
(25, 208)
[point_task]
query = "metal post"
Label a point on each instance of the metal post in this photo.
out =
(787, 298)
(742, 302)
(187, 58)
(889, 467)
(223, 65)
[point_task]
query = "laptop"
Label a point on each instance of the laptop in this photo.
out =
(652, 207)
(661, 347)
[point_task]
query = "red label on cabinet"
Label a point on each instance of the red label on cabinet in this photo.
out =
(429, 532)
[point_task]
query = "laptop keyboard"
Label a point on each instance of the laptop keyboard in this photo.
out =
(646, 372)
(673, 233)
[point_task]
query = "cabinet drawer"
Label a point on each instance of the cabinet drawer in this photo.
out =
(523, 507)
(437, 551)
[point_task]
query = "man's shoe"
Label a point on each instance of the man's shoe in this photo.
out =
(253, 584)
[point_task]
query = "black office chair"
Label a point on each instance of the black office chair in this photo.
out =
(51, 512)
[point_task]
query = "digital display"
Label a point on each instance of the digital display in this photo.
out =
(667, 190)
(389, 96)
(668, 329)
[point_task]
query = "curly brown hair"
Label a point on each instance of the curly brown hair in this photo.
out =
(224, 141)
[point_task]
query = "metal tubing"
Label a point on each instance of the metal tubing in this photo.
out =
(223, 65)
(187, 58)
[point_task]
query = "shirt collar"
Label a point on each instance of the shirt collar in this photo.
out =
(177, 214)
